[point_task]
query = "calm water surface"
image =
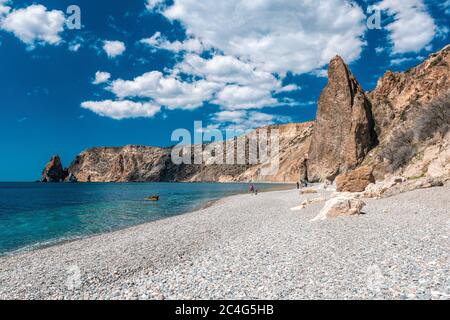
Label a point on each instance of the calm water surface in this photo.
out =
(35, 214)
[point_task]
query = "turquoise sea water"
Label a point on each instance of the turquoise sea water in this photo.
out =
(35, 214)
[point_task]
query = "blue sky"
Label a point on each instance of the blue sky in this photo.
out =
(138, 70)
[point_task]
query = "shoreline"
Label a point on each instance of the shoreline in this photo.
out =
(251, 247)
(201, 206)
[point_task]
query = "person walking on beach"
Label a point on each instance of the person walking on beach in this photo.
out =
(251, 189)
(298, 185)
(304, 183)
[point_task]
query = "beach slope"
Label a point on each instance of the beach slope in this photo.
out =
(253, 247)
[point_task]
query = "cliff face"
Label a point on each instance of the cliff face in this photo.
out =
(412, 116)
(149, 164)
(398, 92)
(295, 140)
(130, 163)
(400, 128)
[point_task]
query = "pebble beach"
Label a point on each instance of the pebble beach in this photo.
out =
(253, 247)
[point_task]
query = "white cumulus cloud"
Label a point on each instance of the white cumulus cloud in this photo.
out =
(166, 90)
(413, 27)
(33, 24)
(289, 88)
(276, 36)
(114, 48)
(228, 69)
(159, 42)
(154, 4)
(101, 77)
(122, 109)
(244, 97)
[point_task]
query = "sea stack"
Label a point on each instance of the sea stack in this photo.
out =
(53, 171)
(345, 131)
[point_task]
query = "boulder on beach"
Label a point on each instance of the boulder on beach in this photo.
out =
(341, 206)
(397, 184)
(355, 181)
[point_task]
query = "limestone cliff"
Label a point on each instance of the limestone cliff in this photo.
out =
(151, 164)
(412, 116)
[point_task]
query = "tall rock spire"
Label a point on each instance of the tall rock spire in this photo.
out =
(344, 131)
(54, 171)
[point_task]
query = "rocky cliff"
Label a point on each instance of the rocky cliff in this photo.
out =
(400, 128)
(151, 164)
(412, 116)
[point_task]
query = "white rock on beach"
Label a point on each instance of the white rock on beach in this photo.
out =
(376, 190)
(343, 205)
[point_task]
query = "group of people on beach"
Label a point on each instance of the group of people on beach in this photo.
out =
(253, 190)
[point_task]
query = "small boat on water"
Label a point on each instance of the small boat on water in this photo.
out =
(153, 198)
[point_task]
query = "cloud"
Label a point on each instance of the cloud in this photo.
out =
(379, 50)
(101, 77)
(159, 42)
(152, 5)
(228, 70)
(234, 97)
(114, 48)
(244, 86)
(276, 37)
(76, 44)
(289, 88)
(446, 6)
(123, 109)
(166, 90)
(403, 60)
(252, 45)
(245, 120)
(222, 80)
(34, 24)
(4, 9)
(74, 47)
(413, 27)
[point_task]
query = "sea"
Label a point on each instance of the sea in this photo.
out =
(34, 215)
